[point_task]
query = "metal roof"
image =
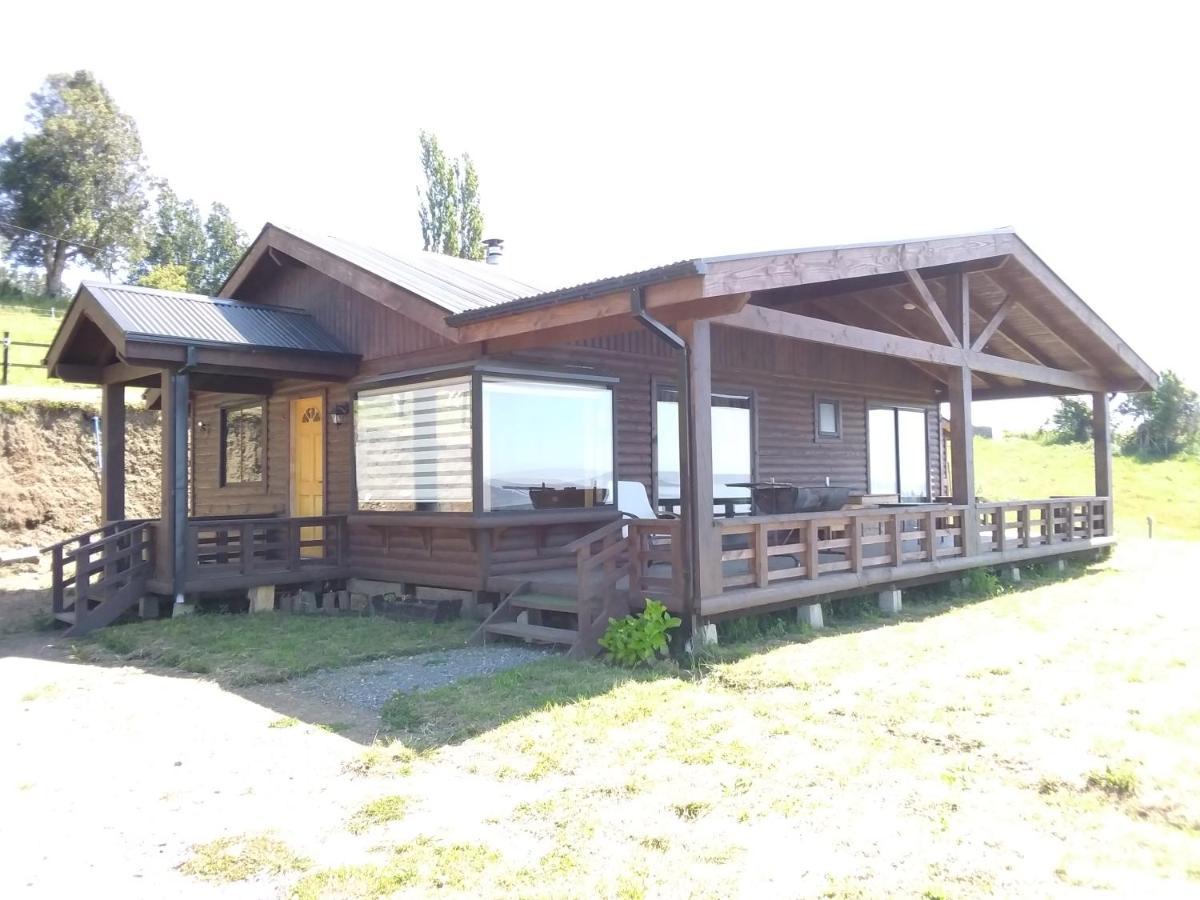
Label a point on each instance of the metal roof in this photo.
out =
(174, 317)
(456, 285)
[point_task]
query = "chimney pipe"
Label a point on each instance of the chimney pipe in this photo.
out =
(495, 249)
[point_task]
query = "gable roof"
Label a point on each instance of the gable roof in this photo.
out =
(453, 285)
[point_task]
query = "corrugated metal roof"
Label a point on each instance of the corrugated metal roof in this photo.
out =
(456, 285)
(170, 316)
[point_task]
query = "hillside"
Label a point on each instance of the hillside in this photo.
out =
(1169, 490)
(34, 326)
(49, 483)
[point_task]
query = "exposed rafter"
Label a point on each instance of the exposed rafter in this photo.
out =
(922, 289)
(994, 322)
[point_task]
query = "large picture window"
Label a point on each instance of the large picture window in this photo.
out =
(898, 452)
(243, 436)
(546, 444)
(412, 447)
(732, 444)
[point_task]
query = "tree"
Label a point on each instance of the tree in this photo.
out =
(176, 237)
(1167, 419)
(207, 249)
(450, 214)
(1071, 422)
(168, 277)
(77, 178)
(224, 245)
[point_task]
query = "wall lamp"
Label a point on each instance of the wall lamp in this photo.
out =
(339, 413)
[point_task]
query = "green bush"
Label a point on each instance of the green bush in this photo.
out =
(638, 640)
(983, 583)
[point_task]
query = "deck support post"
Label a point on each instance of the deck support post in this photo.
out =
(112, 452)
(890, 602)
(812, 615)
(262, 598)
(175, 477)
(1011, 574)
(1102, 441)
(962, 457)
(696, 466)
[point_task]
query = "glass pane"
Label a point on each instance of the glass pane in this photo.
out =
(731, 444)
(242, 439)
(412, 447)
(546, 445)
(881, 451)
(827, 418)
(914, 470)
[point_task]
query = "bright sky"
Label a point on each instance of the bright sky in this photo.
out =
(617, 136)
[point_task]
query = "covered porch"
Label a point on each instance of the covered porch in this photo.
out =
(129, 337)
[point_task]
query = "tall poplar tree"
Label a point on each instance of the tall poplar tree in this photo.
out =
(450, 213)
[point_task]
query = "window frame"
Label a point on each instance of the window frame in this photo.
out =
(223, 410)
(836, 434)
(477, 371)
(658, 383)
(895, 409)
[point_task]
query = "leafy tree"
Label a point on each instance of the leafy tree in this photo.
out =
(206, 248)
(77, 177)
(176, 237)
(1071, 422)
(168, 277)
(450, 214)
(224, 245)
(1167, 419)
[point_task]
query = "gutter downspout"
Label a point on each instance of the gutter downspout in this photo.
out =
(687, 462)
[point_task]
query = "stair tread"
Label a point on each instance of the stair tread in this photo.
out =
(550, 602)
(67, 616)
(534, 632)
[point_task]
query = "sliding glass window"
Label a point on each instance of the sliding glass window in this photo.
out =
(732, 440)
(546, 444)
(412, 447)
(898, 452)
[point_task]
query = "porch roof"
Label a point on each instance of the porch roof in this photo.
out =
(108, 326)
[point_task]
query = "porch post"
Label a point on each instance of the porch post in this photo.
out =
(962, 456)
(112, 452)
(174, 477)
(1102, 441)
(696, 464)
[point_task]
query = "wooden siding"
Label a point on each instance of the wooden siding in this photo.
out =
(361, 324)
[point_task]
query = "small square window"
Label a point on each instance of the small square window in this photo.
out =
(829, 418)
(243, 435)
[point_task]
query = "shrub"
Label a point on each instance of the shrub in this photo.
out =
(983, 583)
(637, 640)
(1071, 422)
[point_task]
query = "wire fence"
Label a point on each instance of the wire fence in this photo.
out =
(6, 363)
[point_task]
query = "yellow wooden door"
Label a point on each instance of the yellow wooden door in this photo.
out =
(308, 465)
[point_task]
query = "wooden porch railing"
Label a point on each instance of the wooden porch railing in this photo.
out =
(104, 567)
(243, 551)
(1037, 523)
(656, 561)
(760, 550)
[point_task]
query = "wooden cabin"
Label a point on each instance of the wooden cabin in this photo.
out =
(432, 422)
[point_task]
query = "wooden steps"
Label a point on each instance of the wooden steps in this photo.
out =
(539, 633)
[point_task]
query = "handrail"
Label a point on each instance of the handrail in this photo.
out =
(868, 512)
(90, 547)
(592, 536)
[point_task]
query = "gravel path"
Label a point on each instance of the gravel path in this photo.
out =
(369, 685)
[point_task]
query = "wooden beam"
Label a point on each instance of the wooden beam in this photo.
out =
(123, 373)
(934, 374)
(1080, 310)
(931, 305)
(962, 456)
(232, 384)
(807, 328)
(112, 452)
(958, 299)
(993, 323)
(696, 432)
(765, 271)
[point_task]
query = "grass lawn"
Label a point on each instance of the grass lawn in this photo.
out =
(1039, 743)
(1169, 490)
(34, 327)
(261, 647)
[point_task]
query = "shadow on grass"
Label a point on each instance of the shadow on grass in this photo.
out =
(257, 656)
(471, 707)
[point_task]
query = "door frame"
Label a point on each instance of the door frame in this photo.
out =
(292, 402)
